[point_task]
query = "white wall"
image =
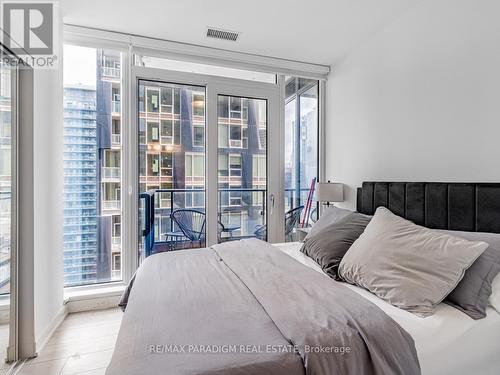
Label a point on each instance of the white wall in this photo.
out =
(420, 100)
(48, 186)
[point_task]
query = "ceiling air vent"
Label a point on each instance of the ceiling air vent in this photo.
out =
(222, 34)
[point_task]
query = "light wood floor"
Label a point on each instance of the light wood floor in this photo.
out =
(82, 345)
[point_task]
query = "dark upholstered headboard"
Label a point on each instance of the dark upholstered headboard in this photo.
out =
(473, 207)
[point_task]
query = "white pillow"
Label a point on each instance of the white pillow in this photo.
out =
(495, 293)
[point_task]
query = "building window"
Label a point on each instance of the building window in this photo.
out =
(153, 165)
(116, 265)
(198, 105)
(91, 162)
(235, 136)
(195, 177)
(198, 135)
(153, 132)
(167, 164)
(152, 100)
(223, 165)
(234, 165)
(195, 168)
(116, 222)
(167, 132)
(167, 97)
(259, 177)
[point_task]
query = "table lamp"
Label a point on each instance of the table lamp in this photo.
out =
(329, 192)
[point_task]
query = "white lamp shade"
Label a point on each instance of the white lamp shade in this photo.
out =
(329, 192)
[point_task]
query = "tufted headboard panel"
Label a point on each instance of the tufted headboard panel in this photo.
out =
(472, 207)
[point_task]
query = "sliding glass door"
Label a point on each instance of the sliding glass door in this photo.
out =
(204, 172)
(171, 136)
(241, 167)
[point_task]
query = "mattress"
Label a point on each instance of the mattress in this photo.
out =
(448, 342)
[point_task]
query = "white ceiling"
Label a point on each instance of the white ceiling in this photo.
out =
(318, 31)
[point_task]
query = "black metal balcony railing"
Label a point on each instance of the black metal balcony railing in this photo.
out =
(159, 204)
(160, 233)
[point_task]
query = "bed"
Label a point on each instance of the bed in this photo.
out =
(449, 342)
(254, 295)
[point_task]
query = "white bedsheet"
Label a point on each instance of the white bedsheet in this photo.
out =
(448, 342)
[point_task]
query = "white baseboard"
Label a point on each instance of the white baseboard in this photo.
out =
(97, 302)
(45, 336)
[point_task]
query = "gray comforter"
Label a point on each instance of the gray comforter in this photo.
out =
(247, 308)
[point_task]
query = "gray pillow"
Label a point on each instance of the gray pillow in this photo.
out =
(328, 246)
(329, 216)
(409, 266)
(472, 293)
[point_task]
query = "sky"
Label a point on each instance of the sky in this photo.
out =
(79, 66)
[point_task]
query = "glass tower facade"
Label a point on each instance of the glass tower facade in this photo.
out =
(80, 185)
(92, 166)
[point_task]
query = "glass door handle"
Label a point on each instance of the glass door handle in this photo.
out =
(271, 199)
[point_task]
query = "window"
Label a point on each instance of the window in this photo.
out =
(195, 168)
(153, 165)
(112, 158)
(195, 175)
(117, 262)
(167, 164)
(171, 151)
(7, 108)
(223, 165)
(235, 165)
(259, 178)
(153, 132)
(191, 67)
(92, 143)
(152, 100)
(301, 139)
(198, 105)
(167, 99)
(167, 132)
(223, 136)
(116, 228)
(235, 107)
(235, 136)
(198, 135)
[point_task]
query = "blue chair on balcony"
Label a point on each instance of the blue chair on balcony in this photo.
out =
(292, 218)
(226, 229)
(191, 223)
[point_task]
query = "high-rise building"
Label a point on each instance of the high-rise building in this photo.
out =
(80, 185)
(92, 153)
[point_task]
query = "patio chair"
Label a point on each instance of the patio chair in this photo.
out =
(191, 223)
(226, 229)
(292, 218)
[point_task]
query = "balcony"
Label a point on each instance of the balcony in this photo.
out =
(111, 173)
(116, 139)
(109, 205)
(116, 107)
(160, 233)
(110, 72)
